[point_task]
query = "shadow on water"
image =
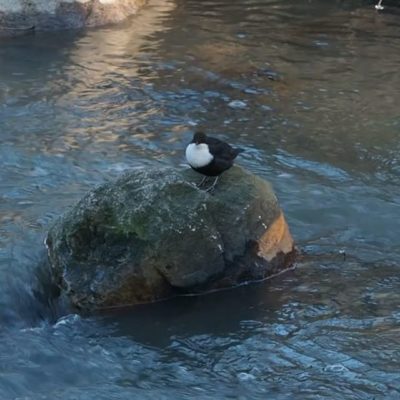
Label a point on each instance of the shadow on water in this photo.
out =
(217, 314)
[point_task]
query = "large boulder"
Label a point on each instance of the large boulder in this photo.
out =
(18, 16)
(153, 234)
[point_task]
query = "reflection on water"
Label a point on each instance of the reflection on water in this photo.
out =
(310, 90)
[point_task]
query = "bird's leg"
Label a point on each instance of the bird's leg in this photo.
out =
(202, 182)
(379, 6)
(212, 187)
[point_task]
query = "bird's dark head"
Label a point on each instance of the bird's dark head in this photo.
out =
(199, 137)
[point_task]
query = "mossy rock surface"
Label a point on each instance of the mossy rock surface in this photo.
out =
(152, 234)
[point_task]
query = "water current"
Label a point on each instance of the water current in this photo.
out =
(311, 90)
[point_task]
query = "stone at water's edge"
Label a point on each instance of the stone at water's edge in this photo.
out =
(153, 234)
(17, 15)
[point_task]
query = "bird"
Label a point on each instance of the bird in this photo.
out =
(210, 156)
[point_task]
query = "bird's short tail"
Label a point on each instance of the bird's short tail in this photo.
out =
(238, 150)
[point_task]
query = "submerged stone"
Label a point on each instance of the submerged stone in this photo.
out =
(152, 234)
(237, 104)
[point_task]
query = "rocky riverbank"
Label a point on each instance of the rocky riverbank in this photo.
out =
(19, 16)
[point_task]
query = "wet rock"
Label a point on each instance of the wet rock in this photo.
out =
(153, 234)
(237, 104)
(269, 73)
(6, 31)
(20, 16)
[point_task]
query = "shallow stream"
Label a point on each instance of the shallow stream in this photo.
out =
(311, 91)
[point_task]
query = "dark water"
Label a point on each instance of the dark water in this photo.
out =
(311, 90)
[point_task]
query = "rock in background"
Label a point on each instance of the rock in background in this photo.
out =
(21, 15)
(153, 234)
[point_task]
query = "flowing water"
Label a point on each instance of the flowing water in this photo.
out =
(310, 89)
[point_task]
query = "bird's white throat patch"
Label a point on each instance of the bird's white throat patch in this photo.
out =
(198, 155)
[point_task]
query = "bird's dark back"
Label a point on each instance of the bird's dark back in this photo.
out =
(222, 149)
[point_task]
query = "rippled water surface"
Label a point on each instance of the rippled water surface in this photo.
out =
(311, 90)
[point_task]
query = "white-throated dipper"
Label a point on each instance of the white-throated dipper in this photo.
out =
(210, 156)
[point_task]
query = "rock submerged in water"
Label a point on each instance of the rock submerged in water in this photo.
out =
(152, 234)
